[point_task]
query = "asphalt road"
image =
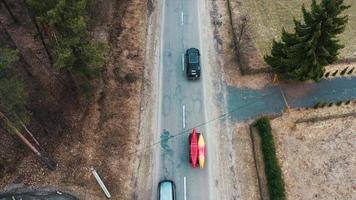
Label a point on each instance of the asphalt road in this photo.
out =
(182, 101)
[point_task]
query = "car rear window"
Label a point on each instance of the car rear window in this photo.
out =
(166, 191)
(193, 58)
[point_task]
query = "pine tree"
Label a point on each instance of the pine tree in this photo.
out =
(12, 92)
(303, 54)
(73, 49)
(7, 57)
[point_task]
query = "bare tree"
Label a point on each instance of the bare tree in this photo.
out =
(243, 28)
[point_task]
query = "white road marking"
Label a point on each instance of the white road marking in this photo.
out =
(182, 17)
(183, 116)
(185, 188)
(183, 62)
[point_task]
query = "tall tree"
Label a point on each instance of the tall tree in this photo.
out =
(73, 49)
(303, 54)
(12, 92)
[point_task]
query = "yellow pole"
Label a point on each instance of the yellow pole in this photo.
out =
(276, 80)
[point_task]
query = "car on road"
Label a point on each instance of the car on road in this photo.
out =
(192, 63)
(167, 190)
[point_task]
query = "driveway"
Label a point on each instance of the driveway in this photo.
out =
(247, 103)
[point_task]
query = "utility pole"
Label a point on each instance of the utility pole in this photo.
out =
(276, 80)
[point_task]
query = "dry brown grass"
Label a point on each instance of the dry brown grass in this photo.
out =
(317, 158)
(269, 16)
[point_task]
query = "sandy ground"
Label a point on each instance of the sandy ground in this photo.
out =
(105, 134)
(146, 162)
(317, 158)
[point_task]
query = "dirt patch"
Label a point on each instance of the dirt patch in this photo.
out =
(245, 164)
(223, 33)
(317, 157)
(101, 134)
(246, 51)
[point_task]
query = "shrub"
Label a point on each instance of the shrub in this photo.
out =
(347, 102)
(272, 168)
(352, 70)
(130, 78)
(323, 105)
(334, 74)
(327, 74)
(331, 104)
(317, 105)
(339, 103)
(343, 71)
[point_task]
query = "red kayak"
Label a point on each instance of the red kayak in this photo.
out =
(193, 142)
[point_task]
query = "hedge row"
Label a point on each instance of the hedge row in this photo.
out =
(272, 169)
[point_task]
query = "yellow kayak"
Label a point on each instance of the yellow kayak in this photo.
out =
(201, 151)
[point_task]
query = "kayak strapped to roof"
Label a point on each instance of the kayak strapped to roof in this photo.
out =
(197, 149)
(193, 142)
(201, 151)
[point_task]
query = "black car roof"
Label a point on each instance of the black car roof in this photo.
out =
(193, 50)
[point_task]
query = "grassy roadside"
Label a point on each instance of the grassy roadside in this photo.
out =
(272, 169)
(269, 16)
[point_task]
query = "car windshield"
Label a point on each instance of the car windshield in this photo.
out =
(166, 191)
(193, 58)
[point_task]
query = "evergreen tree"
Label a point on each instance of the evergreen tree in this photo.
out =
(73, 49)
(12, 92)
(7, 57)
(303, 54)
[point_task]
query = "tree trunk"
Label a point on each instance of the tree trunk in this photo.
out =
(7, 123)
(39, 32)
(9, 10)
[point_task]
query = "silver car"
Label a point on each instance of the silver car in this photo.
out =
(166, 190)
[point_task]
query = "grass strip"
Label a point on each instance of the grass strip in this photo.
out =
(272, 169)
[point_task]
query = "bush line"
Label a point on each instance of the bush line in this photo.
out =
(272, 169)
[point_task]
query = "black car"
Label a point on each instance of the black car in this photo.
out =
(192, 63)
